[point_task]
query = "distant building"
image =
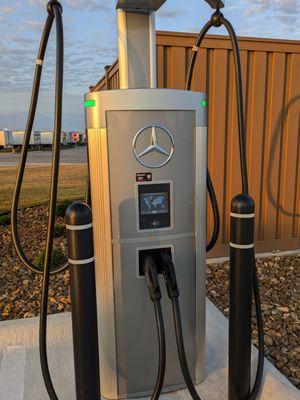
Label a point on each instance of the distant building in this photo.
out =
(6, 139)
(12, 139)
(18, 137)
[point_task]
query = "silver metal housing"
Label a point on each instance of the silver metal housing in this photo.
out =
(137, 43)
(127, 333)
(137, 49)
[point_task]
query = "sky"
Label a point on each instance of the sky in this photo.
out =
(90, 44)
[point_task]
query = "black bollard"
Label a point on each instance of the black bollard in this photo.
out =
(83, 300)
(240, 303)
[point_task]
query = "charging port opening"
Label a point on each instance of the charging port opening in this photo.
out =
(155, 254)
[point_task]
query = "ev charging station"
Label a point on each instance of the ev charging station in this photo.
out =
(147, 163)
(145, 232)
(143, 204)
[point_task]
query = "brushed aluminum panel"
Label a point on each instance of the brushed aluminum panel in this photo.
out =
(135, 319)
(122, 127)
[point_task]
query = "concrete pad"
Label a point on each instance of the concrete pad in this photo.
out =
(21, 378)
(12, 365)
(24, 333)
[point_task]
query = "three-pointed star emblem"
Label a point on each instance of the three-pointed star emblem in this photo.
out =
(154, 146)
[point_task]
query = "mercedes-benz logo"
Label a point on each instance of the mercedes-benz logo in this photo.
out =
(154, 146)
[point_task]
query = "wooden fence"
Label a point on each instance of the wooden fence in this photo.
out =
(271, 80)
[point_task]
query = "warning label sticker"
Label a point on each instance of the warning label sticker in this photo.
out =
(144, 177)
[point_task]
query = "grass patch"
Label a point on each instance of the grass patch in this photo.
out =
(5, 220)
(59, 230)
(36, 185)
(62, 207)
(57, 259)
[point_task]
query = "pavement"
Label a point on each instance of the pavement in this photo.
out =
(21, 379)
(68, 156)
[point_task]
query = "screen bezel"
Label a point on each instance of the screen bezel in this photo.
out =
(150, 187)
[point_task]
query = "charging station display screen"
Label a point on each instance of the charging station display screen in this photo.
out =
(154, 203)
(154, 206)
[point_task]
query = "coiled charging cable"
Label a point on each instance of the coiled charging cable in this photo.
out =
(54, 9)
(51, 7)
(218, 20)
(150, 272)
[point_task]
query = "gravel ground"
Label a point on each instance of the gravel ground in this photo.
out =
(19, 288)
(280, 295)
(279, 279)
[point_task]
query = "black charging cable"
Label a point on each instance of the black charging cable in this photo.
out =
(150, 271)
(218, 20)
(173, 293)
(216, 213)
(209, 184)
(54, 9)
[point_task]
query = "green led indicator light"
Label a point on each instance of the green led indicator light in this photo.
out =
(89, 103)
(204, 103)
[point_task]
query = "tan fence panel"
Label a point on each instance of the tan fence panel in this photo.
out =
(271, 82)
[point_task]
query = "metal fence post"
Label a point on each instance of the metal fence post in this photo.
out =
(107, 85)
(83, 300)
(240, 303)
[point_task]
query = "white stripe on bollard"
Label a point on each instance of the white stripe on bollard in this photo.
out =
(81, 262)
(79, 227)
(241, 246)
(246, 216)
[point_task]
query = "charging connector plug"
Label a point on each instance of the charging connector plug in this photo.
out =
(169, 276)
(150, 271)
